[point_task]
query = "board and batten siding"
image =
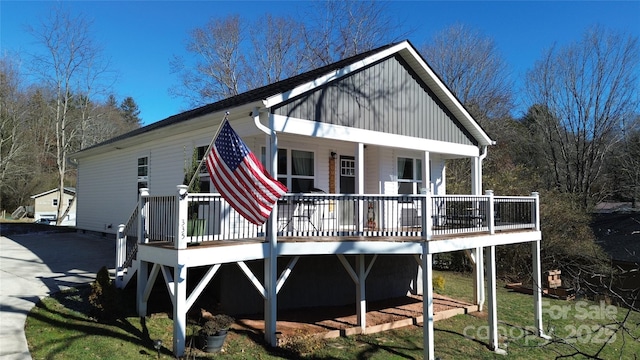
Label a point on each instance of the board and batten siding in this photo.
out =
(387, 97)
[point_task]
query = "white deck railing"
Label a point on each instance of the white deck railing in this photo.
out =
(194, 218)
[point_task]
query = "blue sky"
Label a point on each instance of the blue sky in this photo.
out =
(140, 37)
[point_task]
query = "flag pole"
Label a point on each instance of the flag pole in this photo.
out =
(206, 153)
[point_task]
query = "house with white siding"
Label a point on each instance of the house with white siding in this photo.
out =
(362, 145)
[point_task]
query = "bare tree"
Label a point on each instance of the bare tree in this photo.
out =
(338, 29)
(232, 56)
(217, 71)
(624, 171)
(276, 51)
(471, 65)
(589, 88)
(14, 153)
(70, 65)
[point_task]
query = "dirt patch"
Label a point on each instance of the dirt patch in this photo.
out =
(342, 320)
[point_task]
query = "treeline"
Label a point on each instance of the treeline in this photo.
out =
(53, 103)
(30, 136)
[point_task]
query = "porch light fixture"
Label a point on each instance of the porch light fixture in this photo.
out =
(333, 155)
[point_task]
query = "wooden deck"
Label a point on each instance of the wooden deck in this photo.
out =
(225, 251)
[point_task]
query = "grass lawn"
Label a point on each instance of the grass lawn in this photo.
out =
(58, 328)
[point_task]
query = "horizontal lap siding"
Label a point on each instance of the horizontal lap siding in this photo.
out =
(108, 183)
(385, 97)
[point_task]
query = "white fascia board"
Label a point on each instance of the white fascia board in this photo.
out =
(348, 247)
(472, 242)
(336, 74)
(441, 89)
(202, 255)
(290, 125)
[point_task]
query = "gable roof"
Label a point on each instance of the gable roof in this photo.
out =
(68, 190)
(276, 93)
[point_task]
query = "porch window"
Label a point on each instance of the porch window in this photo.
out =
(409, 175)
(296, 169)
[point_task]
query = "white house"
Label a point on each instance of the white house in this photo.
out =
(362, 145)
(46, 206)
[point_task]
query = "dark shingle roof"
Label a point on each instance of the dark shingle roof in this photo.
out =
(246, 97)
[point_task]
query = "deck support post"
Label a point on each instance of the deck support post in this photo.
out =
(271, 258)
(427, 304)
(492, 306)
(478, 272)
(361, 296)
(537, 289)
(179, 309)
(142, 279)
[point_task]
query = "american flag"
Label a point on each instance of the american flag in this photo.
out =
(240, 177)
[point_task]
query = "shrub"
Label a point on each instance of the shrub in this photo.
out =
(438, 283)
(216, 324)
(104, 297)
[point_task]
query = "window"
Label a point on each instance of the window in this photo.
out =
(296, 169)
(143, 173)
(203, 173)
(69, 202)
(143, 168)
(54, 202)
(409, 175)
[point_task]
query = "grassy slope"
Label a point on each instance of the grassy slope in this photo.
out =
(60, 330)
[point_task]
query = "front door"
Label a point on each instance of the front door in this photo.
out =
(347, 186)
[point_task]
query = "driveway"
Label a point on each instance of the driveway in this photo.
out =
(36, 260)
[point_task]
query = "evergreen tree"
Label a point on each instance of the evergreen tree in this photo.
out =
(130, 112)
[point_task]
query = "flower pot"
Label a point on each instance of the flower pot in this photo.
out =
(213, 343)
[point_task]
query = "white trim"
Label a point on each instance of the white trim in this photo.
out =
(296, 126)
(441, 246)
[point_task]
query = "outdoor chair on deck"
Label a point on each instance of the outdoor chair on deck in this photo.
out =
(303, 213)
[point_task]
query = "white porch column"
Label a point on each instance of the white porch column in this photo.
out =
(360, 168)
(478, 269)
(360, 212)
(492, 305)
(427, 304)
(271, 258)
(426, 221)
(179, 309)
(361, 307)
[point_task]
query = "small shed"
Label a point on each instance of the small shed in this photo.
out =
(46, 206)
